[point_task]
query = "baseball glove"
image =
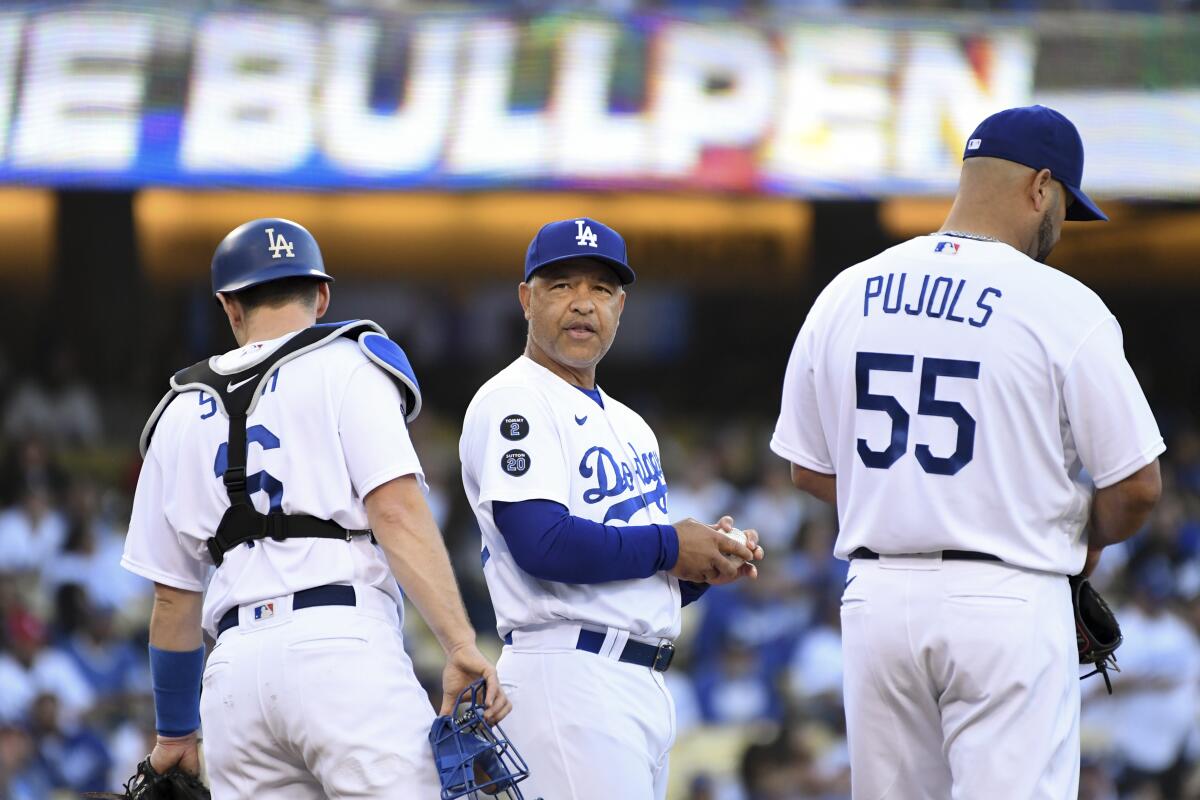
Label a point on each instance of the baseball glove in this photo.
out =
(1096, 630)
(146, 784)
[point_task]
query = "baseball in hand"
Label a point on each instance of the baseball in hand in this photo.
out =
(738, 535)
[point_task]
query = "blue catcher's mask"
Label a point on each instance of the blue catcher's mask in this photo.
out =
(473, 756)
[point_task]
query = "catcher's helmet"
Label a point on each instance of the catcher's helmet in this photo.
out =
(473, 756)
(265, 250)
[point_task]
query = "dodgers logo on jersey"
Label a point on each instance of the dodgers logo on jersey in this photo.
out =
(614, 479)
(585, 237)
(278, 245)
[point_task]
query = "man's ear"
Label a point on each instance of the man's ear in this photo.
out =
(525, 293)
(233, 309)
(1041, 190)
(322, 299)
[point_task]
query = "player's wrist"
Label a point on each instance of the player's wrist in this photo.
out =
(459, 645)
(176, 678)
(185, 739)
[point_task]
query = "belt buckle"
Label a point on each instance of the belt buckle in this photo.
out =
(663, 657)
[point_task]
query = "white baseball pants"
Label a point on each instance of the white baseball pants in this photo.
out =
(961, 681)
(320, 702)
(588, 726)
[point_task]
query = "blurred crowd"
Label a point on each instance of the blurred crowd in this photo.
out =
(758, 679)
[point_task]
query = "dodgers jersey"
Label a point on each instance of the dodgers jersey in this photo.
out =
(529, 435)
(966, 397)
(328, 429)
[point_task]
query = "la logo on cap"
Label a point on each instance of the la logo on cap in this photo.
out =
(585, 237)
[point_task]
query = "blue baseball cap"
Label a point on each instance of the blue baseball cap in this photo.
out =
(1039, 138)
(581, 237)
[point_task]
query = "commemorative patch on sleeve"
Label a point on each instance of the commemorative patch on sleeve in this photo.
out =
(514, 427)
(515, 463)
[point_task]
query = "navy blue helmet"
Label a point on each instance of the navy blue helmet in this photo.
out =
(265, 250)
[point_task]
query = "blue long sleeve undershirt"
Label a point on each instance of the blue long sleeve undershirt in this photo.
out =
(552, 545)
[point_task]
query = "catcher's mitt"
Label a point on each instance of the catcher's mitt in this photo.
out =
(1096, 630)
(146, 784)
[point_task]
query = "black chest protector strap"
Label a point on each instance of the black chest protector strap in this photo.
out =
(236, 393)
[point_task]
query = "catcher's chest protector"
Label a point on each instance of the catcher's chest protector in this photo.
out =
(237, 394)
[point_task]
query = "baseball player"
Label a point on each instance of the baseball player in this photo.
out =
(966, 407)
(279, 503)
(585, 572)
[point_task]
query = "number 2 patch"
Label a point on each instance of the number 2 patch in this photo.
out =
(514, 427)
(515, 463)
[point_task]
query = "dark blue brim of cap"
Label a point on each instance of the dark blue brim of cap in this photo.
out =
(624, 273)
(275, 273)
(1083, 209)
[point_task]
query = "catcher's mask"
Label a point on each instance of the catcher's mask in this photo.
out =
(473, 756)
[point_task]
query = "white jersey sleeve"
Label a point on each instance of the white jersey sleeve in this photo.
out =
(153, 549)
(375, 439)
(1110, 420)
(799, 435)
(513, 437)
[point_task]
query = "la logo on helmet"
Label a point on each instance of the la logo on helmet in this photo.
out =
(279, 245)
(585, 235)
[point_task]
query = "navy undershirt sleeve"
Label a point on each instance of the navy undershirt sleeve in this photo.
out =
(690, 591)
(552, 545)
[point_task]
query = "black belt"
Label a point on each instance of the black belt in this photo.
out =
(657, 657)
(331, 594)
(947, 555)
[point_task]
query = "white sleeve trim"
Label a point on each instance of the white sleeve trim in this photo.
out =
(1131, 466)
(784, 450)
(160, 577)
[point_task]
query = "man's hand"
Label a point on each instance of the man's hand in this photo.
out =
(747, 570)
(181, 751)
(703, 551)
(464, 666)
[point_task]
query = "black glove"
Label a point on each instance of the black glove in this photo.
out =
(1096, 630)
(146, 784)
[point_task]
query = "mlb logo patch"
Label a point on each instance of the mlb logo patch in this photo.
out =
(949, 248)
(264, 611)
(974, 144)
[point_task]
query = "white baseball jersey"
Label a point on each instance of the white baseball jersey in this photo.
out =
(528, 434)
(327, 430)
(966, 397)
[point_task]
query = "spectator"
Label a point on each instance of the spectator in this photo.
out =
(28, 463)
(32, 668)
(91, 555)
(110, 665)
(815, 674)
(72, 755)
(31, 532)
(767, 615)
(774, 508)
(737, 688)
(60, 406)
(702, 493)
(22, 776)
